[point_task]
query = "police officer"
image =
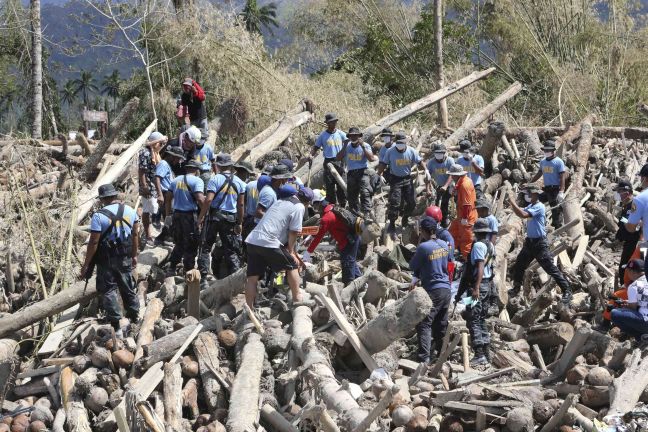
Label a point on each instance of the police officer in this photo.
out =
(252, 199)
(535, 244)
(173, 156)
(430, 265)
(113, 248)
(331, 142)
(187, 141)
(554, 175)
(388, 140)
(244, 170)
(438, 167)
(639, 209)
(279, 176)
(187, 192)
(222, 215)
(357, 154)
(483, 211)
(623, 196)
(478, 277)
(204, 155)
(400, 159)
(473, 164)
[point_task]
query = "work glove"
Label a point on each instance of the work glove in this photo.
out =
(464, 222)
(168, 221)
(306, 257)
(428, 177)
(560, 197)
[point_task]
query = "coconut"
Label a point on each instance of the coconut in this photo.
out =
(4, 427)
(123, 359)
(37, 426)
(401, 415)
(519, 420)
(97, 399)
(42, 414)
(20, 423)
(599, 376)
(109, 345)
(100, 357)
(81, 363)
(227, 338)
(418, 423)
(189, 367)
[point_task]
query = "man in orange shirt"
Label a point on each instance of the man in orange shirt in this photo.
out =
(461, 227)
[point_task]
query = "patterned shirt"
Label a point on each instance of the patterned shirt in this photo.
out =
(146, 164)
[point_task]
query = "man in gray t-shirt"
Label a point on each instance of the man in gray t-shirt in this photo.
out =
(272, 242)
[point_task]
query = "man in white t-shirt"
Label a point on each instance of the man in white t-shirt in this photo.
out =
(632, 318)
(272, 242)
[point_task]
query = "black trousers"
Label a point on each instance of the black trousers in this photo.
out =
(442, 200)
(359, 191)
(550, 196)
(334, 193)
(232, 251)
(476, 314)
(186, 237)
(115, 277)
(401, 197)
(479, 191)
(433, 326)
(629, 247)
(539, 249)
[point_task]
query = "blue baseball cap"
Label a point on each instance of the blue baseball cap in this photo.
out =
(286, 191)
(306, 193)
(428, 224)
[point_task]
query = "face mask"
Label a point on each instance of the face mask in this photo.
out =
(439, 156)
(355, 142)
(617, 197)
(386, 139)
(401, 147)
(527, 198)
(548, 155)
(467, 155)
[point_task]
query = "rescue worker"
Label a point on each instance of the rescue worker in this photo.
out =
(443, 234)
(188, 140)
(173, 156)
(633, 270)
(244, 170)
(204, 155)
(194, 111)
(268, 194)
(186, 196)
(356, 154)
(479, 279)
(483, 211)
(348, 242)
(461, 227)
(272, 243)
(554, 175)
(222, 215)
(632, 316)
(430, 265)
(535, 244)
(252, 199)
(113, 249)
(388, 140)
(639, 208)
(438, 167)
(331, 142)
(473, 164)
(400, 159)
(148, 158)
(623, 196)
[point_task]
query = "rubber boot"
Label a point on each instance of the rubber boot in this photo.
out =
(566, 297)
(479, 358)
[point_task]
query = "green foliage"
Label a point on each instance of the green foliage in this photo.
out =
(85, 85)
(256, 18)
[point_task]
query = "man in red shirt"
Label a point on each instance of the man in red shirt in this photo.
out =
(194, 111)
(347, 241)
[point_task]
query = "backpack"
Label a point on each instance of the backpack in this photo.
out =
(468, 278)
(352, 221)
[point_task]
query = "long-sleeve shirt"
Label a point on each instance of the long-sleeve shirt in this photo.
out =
(329, 223)
(194, 103)
(466, 199)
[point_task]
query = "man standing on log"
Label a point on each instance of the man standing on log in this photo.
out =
(194, 110)
(623, 197)
(554, 175)
(473, 164)
(430, 265)
(461, 227)
(535, 244)
(438, 167)
(148, 159)
(113, 248)
(188, 197)
(331, 142)
(357, 154)
(348, 242)
(222, 215)
(400, 159)
(272, 243)
(639, 208)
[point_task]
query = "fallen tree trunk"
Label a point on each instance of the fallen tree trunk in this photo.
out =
(206, 350)
(482, 115)
(172, 385)
(603, 215)
(550, 335)
(145, 335)
(305, 105)
(627, 388)
(244, 398)
(283, 131)
(87, 199)
(546, 132)
(223, 290)
(527, 316)
(507, 236)
(118, 125)
(8, 348)
(378, 286)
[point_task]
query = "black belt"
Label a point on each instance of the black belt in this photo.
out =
(333, 159)
(205, 171)
(356, 170)
(536, 239)
(185, 211)
(551, 187)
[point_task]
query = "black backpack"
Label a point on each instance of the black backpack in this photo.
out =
(350, 219)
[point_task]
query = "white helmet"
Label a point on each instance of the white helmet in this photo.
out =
(194, 135)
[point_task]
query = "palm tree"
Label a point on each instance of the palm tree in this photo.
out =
(85, 84)
(110, 86)
(256, 17)
(68, 95)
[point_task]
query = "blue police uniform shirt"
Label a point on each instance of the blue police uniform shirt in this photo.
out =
(183, 188)
(331, 143)
(551, 169)
(251, 198)
(493, 224)
(430, 264)
(536, 224)
(439, 170)
(267, 197)
(478, 253)
(400, 164)
(100, 223)
(228, 196)
(639, 208)
(355, 156)
(382, 153)
(467, 164)
(204, 156)
(164, 172)
(444, 234)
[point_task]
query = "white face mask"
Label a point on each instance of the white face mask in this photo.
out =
(527, 198)
(467, 155)
(439, 156)
(386, 139)
(617, 197)
(401, 146)
(548, 155)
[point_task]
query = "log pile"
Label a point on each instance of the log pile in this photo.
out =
(345, 358)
